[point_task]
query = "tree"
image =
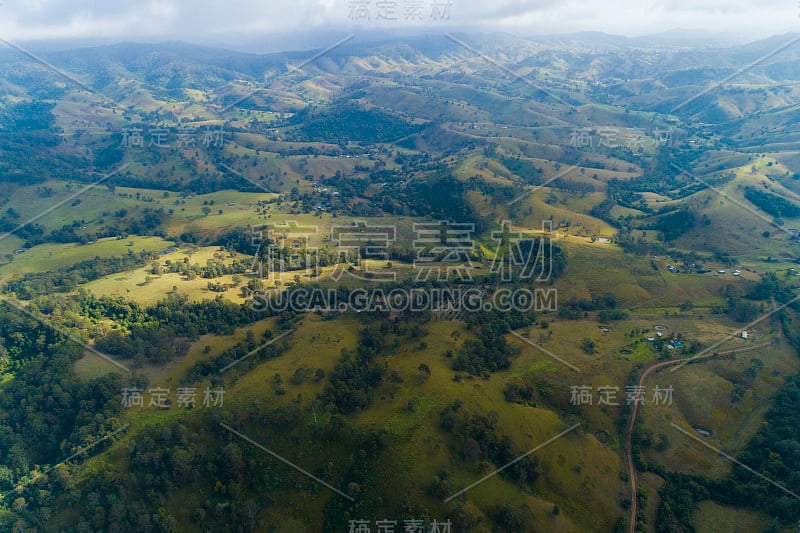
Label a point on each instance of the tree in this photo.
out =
(19, 505)
(61, 477)
(471, 449)
(588, 345)
(395, 380)
(424, 372)
(412, 404)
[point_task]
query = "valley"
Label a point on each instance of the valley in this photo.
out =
(615, 228)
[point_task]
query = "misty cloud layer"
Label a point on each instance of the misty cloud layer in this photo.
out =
(215, 22)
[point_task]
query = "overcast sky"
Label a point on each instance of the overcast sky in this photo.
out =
(216, 22)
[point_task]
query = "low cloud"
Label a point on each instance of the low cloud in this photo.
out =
(212, 22)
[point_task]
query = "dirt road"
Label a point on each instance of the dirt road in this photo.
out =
(629, 438)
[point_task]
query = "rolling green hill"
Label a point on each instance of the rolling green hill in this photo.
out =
(148, 218)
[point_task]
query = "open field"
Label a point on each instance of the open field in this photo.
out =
(667, 255)
(45, 257)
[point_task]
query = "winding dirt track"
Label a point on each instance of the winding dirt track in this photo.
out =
(629, 437)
